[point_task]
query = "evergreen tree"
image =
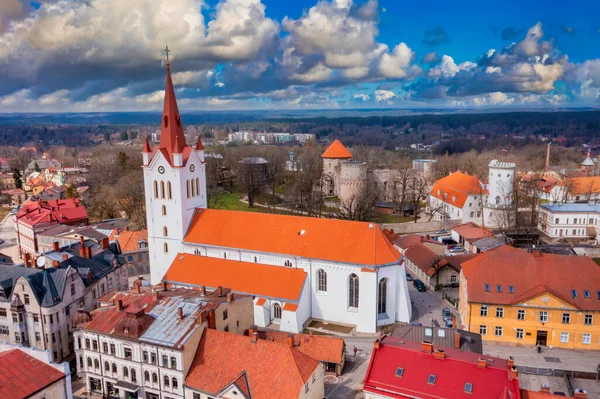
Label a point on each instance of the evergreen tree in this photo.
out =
(36, 167)
(106, 137)
(70, 191)
(17, 178)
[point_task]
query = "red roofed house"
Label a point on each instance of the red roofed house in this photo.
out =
(297, 268)
(134, 246)
(342, 177)
(465, 198)
(466, 234)
(236, 366)
(141, 343)
(511, 296)
(35, 217)
(406, 369)
(24, 376)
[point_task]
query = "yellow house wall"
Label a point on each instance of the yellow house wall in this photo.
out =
(470, 315)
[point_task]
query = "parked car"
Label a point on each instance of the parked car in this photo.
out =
(448, 323)
(446, 314)
(441, 232)
(419, 285)
(448, 241)
(408, 277)
(456, 249)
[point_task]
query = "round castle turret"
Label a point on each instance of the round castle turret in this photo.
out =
(500, 197)
(353, 178)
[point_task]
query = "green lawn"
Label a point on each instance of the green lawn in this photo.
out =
(387, 218)
(232, 203)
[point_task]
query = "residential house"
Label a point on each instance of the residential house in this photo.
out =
(37, 304)
(7, 181)
(458, 196)
(235, 366)
(406, 369)
(134, 246)
(35, 217)
(573, 222)
(42, 164)
(142, 343)
(512, 296)
(67, 235)
(23, 375)
(441, 337)
(330, 352)
(466, 234)
(14, 196)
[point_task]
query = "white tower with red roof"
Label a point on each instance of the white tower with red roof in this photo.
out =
(175, 184)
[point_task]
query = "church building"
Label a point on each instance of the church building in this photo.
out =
(296, 268)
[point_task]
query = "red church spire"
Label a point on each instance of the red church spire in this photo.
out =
(146, 145)
(171, 134)
(199, 146)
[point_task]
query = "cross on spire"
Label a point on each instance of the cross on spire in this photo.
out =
(167, 51)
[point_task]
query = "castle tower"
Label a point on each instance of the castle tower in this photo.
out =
(174, 183)
(588, 164)
(500, 197)
(334, 156)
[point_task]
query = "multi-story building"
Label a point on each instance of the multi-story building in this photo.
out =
(142, 343)
(406, 369)
(37, 304)
(297, 267)
(509, 295)
(570, 221)
(134, 247)
(458, 196)
(236, 366)
(35, 217)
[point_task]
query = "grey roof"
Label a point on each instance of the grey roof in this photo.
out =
(47, 284)
(10, 274)
(588, 162)
(254, 161)
(487, 243)
(439, 336)
(167, 329)
(572, 207)
(44, 164)
(99, 265)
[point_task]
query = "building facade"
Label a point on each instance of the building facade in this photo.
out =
(569, 221)
(458, 196)
(511, 296)
(142, 343)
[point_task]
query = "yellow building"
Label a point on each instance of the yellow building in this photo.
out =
(512, 296)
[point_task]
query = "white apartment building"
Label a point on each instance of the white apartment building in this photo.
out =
(570, 221)
(143, 344)
(458, 196)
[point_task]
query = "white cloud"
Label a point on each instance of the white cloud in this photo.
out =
(448, 68)
(384, 96)
(362, 97)
(395, 65)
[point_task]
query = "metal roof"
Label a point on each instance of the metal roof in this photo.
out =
(572, 207)
(439, 336)
(167, 329)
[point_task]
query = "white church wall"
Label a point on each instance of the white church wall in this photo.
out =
(261, 314)
(367, 307)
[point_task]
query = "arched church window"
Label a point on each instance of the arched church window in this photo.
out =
(187, 188)
(277, 311)
(166, 248)
(162, 190)
(169, 190)
(164, 210)
(165, 231)
(353, 291)
(255, 260)
(197, 186)
(322, 280)
(155, 189)
(166, 120)
(382, 298)
(193, 188)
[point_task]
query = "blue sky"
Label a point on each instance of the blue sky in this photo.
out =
(104, 55)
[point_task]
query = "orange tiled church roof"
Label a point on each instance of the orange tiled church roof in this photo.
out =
(336, 150)
(333, 240)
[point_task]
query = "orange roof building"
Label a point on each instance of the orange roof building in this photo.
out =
(519, 297)
(456, 188)
(337, 150)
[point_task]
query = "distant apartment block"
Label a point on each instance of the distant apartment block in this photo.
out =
(270, 138)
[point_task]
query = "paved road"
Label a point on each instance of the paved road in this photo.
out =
(427, 306)
(7, 233)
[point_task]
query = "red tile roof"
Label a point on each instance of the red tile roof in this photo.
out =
(54, 211)
(22, 375)
(451, 373)
(531, 276)
(471, 231)
(290, 307)
(261, 301)
(172, 137)
(408, 240)
(274, 370)
(315, 238)
(337, 150)
(423, 258)
(321, 348)
(129, 240)
(243, 277)
(582, 185)
(458, 185)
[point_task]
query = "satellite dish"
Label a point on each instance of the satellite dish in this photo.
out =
(41, 261)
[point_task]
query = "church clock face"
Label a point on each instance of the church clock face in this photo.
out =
(161, 169)
(192, 167)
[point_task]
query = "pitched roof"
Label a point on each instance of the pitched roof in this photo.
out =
(471, 231)
(337, 150)
(274, 370)
(457, 186)
(172, 137)
(582, 185)
(531, 275)
(53, 211)
(315, 238)
(16, 371)
(440, 337)
(129, 240)
(451, 373)
(243, 277)
(321, 348)
(423, 258)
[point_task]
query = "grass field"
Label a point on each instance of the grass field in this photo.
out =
(386, 218)
(232, 203)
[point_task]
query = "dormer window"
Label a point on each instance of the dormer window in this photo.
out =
(431, 379)
(399, 372)
(586, 294)
(468, 387)
(574, 293)
(453, 199)
(499, 288)
(487, 287)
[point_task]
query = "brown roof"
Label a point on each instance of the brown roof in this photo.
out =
(531, 275)
(456, 261)
(423, 258)
(407, 240)
(22, 375)
(274, 370)
(321, 348)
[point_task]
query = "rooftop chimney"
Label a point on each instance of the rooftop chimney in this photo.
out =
(230, 297)
(203, 290)
(82, 248)
(137, 288)
(88, 252)
(289, 341)
(164, 286)
(457, 340)
(253, 337)
(65, 257)
(537, 253)
(219, 291)
(580, 394)
(426, 347)
(514, 373)
(545, 388)
(55, 246)
(105, 243)
(511, 361)
(119, 304)
(439, 354)
(179, 314)
(55, 263)
(481, 363)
